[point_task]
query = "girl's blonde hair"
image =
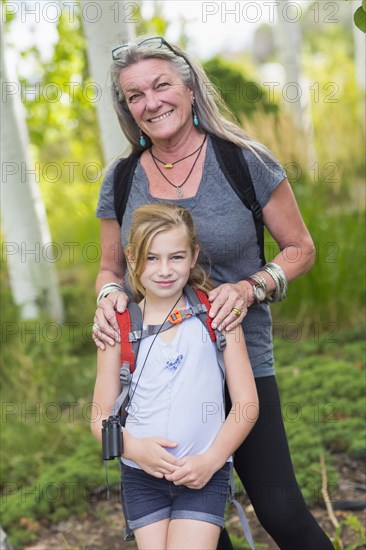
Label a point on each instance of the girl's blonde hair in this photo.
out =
(147, 222)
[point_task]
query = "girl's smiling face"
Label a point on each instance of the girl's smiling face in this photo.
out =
(159, 101)
(168, 264)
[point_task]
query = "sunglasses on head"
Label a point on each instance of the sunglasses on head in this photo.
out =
(154, 42)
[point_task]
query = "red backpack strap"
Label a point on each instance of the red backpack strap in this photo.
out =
(215, 335)
(204, 300)
(127, 353)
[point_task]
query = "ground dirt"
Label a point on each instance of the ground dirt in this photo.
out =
(101, 528)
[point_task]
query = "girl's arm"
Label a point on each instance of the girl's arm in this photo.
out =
(148, 453)
(243, 395)
(107, 387)
(195, 471)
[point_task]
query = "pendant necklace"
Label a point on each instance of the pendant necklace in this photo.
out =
(172, 164)
(179, 187)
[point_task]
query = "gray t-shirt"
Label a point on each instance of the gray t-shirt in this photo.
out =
(226, 233)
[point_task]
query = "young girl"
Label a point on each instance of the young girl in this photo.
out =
(177, 444)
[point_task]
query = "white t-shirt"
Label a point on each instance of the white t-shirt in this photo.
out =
(180, 393)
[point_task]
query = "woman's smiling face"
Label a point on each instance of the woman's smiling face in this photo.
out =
(159, 101)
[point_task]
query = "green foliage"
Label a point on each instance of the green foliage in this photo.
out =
(63, 488)
(359, 17)
(337, 113)
(157, 25)
(337, 240)
(321, 387)
(63, 127)
(62, 116)
(354, 525)
(51, 464)
(243, 96)
(239, 543)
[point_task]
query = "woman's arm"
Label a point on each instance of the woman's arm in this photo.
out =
(112, 270)
(282, 218)
(195, 471)
(112, 263)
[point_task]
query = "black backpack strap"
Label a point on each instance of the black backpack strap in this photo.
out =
(122, 180)
(236, 171)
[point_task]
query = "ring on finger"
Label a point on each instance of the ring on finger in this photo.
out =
(95, 327)
(236, 311)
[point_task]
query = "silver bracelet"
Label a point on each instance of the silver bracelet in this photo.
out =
(260, 280)
(276, 294)
(280, 279)
(106, 289)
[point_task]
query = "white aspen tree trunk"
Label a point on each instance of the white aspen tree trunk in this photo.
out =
(289, 43)
(27, 248)
(296, 93)
(114, 26)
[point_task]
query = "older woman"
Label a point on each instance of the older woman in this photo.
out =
(176, 124)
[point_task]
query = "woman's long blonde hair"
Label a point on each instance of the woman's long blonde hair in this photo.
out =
(147, 222)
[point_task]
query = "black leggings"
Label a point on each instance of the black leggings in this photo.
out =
(263, 464)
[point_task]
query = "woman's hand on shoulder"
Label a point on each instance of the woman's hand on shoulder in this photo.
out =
(106, 328)
(227, 298)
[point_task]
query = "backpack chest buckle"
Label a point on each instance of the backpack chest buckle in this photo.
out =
(176, 317)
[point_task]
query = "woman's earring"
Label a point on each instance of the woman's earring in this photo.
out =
(142, 139)
(195, 117)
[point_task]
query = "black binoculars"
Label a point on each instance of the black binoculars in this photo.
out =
(112, 441)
